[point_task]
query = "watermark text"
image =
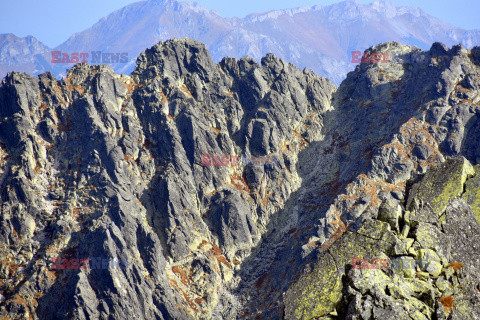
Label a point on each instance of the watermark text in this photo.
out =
(92, 57)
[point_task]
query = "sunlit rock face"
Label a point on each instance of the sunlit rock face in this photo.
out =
(200, 190)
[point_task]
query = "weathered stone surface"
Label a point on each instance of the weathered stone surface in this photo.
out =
(170, 170)
(441, 184)
(433, 278)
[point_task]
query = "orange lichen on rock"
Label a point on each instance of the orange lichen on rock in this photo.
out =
(216, 250)
(65, 128)
(199, 300)
(303, 142)
(18, 299)
(456, 265)
(216, 130)
(179, 272)
(43, 106)
(448, 303)
(223, 260)
(51, 276)
(239, 183)
(184, 89)
(164, 98)
(128, 158)
(132, 86)
(71, 87)
(339, 231)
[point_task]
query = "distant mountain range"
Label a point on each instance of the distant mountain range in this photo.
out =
(320, 38)
(22, 54)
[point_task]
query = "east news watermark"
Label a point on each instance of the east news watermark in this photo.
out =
(97, 263)
(385, 57)
(372, 57)
(93, 57)
(394, 264)
(209, 160)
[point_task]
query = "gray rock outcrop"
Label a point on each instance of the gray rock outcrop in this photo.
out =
(170, 171)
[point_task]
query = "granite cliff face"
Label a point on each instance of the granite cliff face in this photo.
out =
(170, 171)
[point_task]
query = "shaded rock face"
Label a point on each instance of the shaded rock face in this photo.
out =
(169, 171)
(112, 167)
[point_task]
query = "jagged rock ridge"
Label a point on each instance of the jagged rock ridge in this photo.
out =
(109, 166)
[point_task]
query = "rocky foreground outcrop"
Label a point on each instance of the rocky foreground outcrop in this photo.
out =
(155, 195)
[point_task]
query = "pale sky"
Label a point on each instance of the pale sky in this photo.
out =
(54, 21)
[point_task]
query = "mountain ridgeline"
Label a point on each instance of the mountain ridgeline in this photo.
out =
(236, 190)
(321, 38)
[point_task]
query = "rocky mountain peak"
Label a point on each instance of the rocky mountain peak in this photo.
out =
(241, 189)
(175, 59)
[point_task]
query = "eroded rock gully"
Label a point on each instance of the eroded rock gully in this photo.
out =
(107, 166)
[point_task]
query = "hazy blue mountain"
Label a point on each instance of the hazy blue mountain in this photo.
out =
(22, 54)
(321, 38)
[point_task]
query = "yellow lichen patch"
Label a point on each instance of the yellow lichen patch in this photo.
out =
(442, 183)
(472, 193)
(316, 294)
